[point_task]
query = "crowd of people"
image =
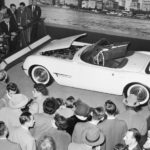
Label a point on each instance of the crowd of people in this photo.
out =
(42, 122)
(18, 26)
(47, 123)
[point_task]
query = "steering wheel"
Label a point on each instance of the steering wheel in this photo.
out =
(98, 59)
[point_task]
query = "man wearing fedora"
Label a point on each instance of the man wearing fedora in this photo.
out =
(113, 129)
(97, 114)
(81, 114)
(12, 113)
(132, 118)
(92, 138)
(5, 144)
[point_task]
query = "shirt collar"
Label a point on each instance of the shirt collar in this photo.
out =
(81, 117)
(8, 96)
(110, 117)
(94, 122)
(25, 128)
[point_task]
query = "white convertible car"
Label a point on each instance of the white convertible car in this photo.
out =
(102, 67)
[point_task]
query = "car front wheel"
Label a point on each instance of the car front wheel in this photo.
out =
(140, 91)
(39, 74)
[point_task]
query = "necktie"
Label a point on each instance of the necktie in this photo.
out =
(7, 26)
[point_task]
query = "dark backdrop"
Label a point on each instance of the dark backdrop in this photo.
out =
(136, 44)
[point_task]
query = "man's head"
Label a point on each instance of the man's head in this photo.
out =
(13, 7)
(60, 122)
(34, 2)
(110, 107)
(132, 137)
(39, 89)
(3, 129)
(22, 5)
(82, 110)
(70, 102)
(3, 9)
(98, 113)
(50, 105)
(46, 142)
(12, 88)
(27, 119)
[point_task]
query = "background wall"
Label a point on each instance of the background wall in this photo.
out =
(8, 2)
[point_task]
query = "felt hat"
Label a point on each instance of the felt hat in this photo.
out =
(93, 136)
(18, 101)
(82, 109)
(131, 101)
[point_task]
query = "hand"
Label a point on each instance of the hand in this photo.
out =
(28, 21)
(13, 33)
(20, 27)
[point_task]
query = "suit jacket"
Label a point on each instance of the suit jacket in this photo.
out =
(23, 16)
(23, 137)
(7, 30)
(11, 117)
(114, 131)
(72, 121)
(76, 146)
(13, 18)
(5, 144)
(36, 13)
(134, 120)
(78, 130)
(42, 125)
(137, 147)
(61, 138)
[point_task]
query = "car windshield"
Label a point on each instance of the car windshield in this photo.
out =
(103, 53)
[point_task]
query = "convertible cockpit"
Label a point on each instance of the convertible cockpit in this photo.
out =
(103, 53)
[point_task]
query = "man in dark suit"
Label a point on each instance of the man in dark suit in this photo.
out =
(36, 14)
(12, 11)
(5, 144)
(10, 31)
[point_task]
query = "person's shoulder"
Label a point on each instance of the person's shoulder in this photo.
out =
(122, 114)
(29, 6)
(75, 146)
(121, 122)
(14, 146)
(38, 6)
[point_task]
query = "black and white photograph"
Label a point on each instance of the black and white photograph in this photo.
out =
(74, 74)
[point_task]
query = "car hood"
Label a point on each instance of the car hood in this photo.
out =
(61, 43)
(137, 62)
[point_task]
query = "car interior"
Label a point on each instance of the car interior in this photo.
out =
(107, 55)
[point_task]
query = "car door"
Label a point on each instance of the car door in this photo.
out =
(99, 78)
(66, 72)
